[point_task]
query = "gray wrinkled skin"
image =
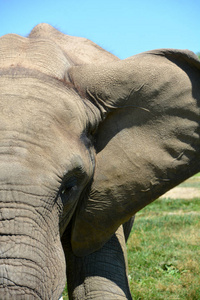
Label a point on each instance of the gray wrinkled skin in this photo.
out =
(86, 141)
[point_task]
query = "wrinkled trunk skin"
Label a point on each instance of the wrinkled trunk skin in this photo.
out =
(100, 275)
(31, 258)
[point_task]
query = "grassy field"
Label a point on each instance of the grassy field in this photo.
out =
(164, 249)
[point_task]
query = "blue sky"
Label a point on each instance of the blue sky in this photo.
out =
(124, 27)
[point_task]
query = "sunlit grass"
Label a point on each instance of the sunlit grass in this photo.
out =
(164, 250)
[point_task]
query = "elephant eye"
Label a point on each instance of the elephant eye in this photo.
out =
(68, 188)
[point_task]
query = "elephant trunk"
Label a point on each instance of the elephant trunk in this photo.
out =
(31, 258)
(100, 275)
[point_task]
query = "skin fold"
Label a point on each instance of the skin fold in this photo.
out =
(86, 141)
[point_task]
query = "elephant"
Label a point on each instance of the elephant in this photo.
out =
(86, 141)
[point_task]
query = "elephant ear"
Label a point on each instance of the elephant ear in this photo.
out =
(147, 142)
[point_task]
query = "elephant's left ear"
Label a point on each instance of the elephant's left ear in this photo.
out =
(118, 84)
(147, 140)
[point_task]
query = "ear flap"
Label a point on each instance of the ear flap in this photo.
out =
(148, 141)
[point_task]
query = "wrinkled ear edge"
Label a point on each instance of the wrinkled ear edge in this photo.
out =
(110, 86)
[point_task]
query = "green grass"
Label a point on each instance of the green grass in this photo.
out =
(164, 250)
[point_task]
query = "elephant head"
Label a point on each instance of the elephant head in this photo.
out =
(86, 140)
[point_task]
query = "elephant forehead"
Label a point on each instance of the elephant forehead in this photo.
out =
(25, 95)
(41, 112)
(39, 54)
